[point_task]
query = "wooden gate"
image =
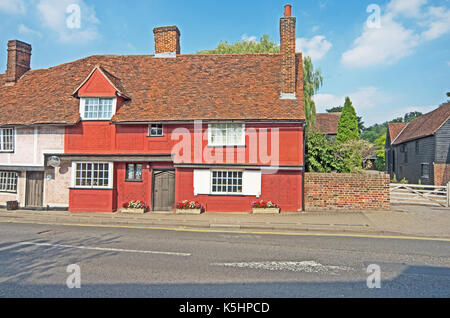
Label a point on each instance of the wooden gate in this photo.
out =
(163, 198)
(420, 194)
(34, 189)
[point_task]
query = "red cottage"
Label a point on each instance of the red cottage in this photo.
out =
(224, 130)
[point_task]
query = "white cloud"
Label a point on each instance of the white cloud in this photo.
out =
(316, 47)
(448, 63)
(55, 17)
(438, 23)
(246, 38)
(407, 8)
(393, 41)
(24, 30)
(384, 45)
(12, 6)
(364, 98)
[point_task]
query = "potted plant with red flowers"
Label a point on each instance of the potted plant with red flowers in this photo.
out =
(189, 207)
(136, 207)
(265, 207)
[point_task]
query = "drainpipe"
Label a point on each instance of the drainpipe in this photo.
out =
(303, 169)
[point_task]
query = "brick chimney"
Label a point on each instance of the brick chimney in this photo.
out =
(287, 38)
(19, 61)
(167, 41)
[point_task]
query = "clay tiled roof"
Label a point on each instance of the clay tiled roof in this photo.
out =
(394, 129)
(425, 125)
(328, 123)
(188, 87)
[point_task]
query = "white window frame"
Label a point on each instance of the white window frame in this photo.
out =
(227, 192)
(110, 175)
(150, 130)
(9, 175)
(83, 104)
(226, 144)
(2, 129)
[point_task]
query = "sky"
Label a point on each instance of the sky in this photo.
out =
(389, 56)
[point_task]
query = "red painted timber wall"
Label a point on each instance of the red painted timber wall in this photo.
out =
(283, 188)
(91, 200)
(101, 137)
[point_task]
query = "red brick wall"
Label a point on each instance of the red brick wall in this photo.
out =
(333, 191)
(441, 174)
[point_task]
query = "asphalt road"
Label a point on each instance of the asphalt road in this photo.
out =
(121, 262)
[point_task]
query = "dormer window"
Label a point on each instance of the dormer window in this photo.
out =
(97, 108)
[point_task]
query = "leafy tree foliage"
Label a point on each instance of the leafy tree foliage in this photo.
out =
(380, 162)
(312, 81)
(265, 45)
(338, 109)
(348, 123)
(321, 153)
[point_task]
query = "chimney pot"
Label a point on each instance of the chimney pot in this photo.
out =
(287, 10)
(19, 61)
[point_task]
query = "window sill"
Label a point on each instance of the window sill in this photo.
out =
(89, 188)
(7, 192)
(135, 181)
(6, 151)
(226, 146)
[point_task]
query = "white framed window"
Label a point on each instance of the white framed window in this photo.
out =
(226, 182)
(8, 181)
(95, 175)
(6, 139)
(155, 130)
(226, 134)
(97, 108)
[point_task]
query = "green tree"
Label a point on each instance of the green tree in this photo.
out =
(265, 45)
(338, 109)
(411, 116)
(348, 123)
(321, 154)
(380, 144)
(312, 81)
(312, 78)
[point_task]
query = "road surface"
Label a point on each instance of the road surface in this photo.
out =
(125, 262)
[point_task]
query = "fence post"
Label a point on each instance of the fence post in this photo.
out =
(448, 194)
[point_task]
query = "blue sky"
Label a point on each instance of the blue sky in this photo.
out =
(400, 62)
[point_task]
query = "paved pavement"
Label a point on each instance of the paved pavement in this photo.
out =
(401, 220)
(130, 262)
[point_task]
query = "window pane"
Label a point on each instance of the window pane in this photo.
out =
(130, 171)
(139, 172)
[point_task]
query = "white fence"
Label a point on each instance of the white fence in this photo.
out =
(420, 194)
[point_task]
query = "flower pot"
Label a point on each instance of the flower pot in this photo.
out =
(188, 211)
(266, 210)
(132, 210)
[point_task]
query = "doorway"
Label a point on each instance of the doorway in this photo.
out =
(163, 185)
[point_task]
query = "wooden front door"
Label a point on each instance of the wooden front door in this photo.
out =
(34, 189)
(163, 198)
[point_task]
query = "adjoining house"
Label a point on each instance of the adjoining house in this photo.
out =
(328, 124)
(419, 151)
(224, 130)
(30, 128)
